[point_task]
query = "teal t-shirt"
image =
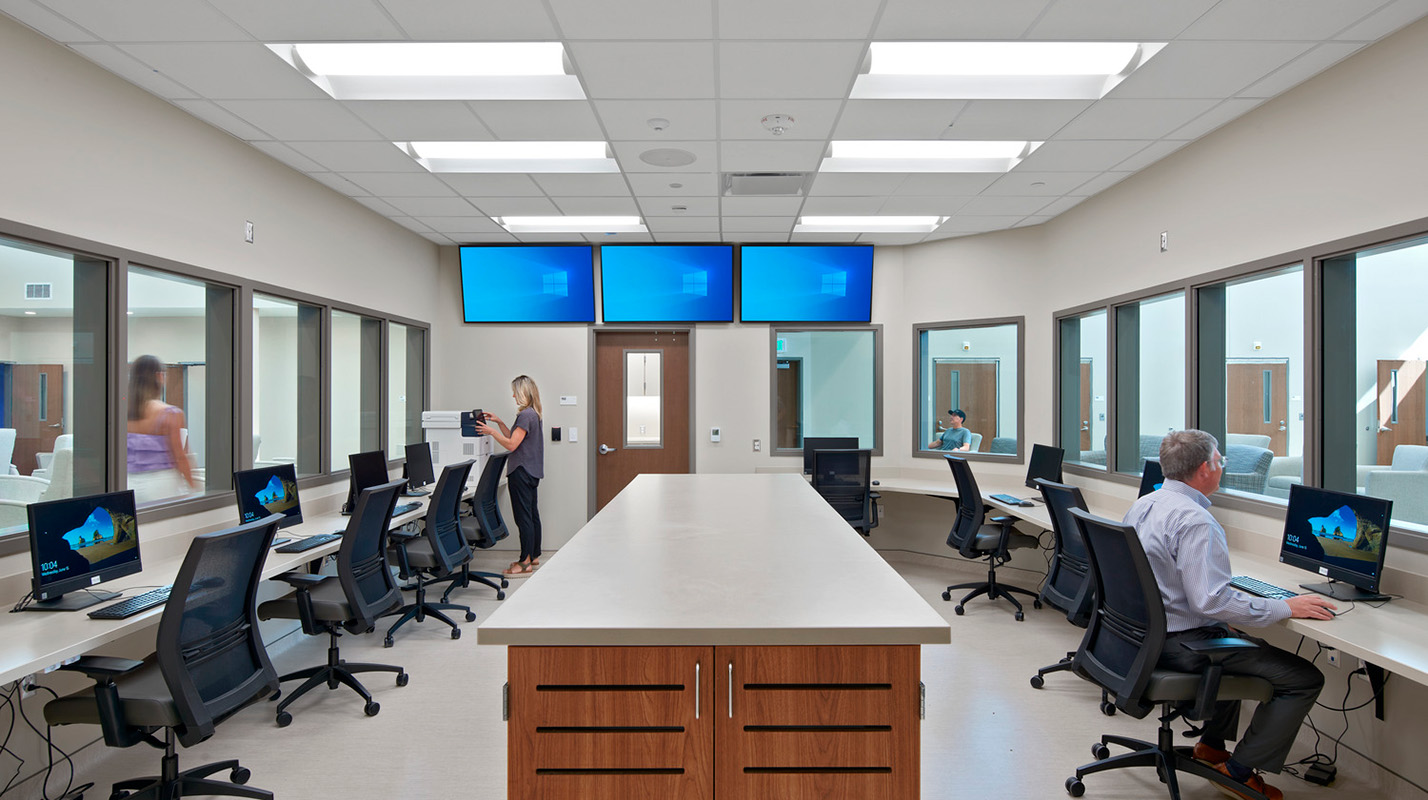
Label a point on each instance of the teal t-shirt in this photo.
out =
(953, 438)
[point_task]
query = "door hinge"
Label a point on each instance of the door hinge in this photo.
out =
(921, 700)
(506, 702)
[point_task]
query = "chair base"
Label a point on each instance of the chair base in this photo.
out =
(993, 590)
(1167, 759)
(467, 576)
(172, 783)
(1066, 665)
(420, 609)
(334, 673)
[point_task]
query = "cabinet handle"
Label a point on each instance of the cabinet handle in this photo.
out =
(696, 690)
(731, 690)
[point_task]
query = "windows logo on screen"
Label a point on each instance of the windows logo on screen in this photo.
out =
(697, 283)
(556, 283)
(835, 283)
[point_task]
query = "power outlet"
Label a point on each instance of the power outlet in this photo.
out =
(1333, 657)
(757, 446)
(1164, 241)
(27, 686)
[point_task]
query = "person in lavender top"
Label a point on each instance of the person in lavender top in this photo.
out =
(157, 461)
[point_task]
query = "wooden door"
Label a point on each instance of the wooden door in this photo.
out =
(1086, 408)
(970, 385)
(789, 376)
(175, 386)
(1400, 406)
(1257, 395)
(622, 449)
(37, 411)
(827, 722)
(610, 723)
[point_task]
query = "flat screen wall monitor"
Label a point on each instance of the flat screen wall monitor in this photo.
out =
(268, 490)
(78, 543)
(1151, 478)
(812, 443)
(368, 469)
(528, 284)
(1339, 536)
(667, 283)
(806, 283)
(418, 470)
(1045, 462)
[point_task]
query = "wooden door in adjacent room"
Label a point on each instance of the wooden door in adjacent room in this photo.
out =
(642, 395)
(1258, 401)
(37, 411)
(970, 385)
(1400, 406)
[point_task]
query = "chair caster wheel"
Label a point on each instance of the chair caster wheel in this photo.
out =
(960, 611)
(372, 708)
(1099, 751)
(120, 795)
(1020, 616)
(403, 679)
(1036, 604)
(273, 698)
(240, 775)
(946, 595)
(284, 719)
(1037, 681)
(1075, 787)
(387, 642)
(470, 617)
(500, 595)
(456, 633)
(505, 584)
(1108, 708)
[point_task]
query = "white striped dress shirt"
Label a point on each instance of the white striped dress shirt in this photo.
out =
(1191, 560)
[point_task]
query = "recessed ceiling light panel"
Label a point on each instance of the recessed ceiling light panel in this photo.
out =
(868, 224)
(925, 156)
(582, 157)
(435, 70)
(999, 70)
(571, 224)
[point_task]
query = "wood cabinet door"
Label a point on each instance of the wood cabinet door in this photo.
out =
(817, 722)
(611, 723)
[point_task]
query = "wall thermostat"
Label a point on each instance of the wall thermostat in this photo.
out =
(714, 434)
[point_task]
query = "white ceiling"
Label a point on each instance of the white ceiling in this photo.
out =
(714, 68)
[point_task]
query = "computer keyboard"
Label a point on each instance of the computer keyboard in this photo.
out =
(128, 607)
(310, 542)
(403, 508)
(1010, 500)
(1258, 587)
(415, 493)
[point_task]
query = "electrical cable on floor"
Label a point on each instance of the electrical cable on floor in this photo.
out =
(8, 698)
(50, 749)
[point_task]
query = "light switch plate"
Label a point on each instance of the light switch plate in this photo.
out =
(574, 433)
(757, 446)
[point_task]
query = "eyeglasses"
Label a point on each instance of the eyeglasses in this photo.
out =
(1220, 463)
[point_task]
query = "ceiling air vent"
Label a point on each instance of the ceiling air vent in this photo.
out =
(37, 291)
(765, 184)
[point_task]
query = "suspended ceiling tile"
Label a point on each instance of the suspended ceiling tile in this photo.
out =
(1031, 221)
(1003, 206)
(311, 120)
(891, 238)
(664, 206)
(743, 119)
(758, 224)
(487, 238)
(310, 20)
(946, 184)
(683, 224)
(627, 120)
(358, 156)
(1074, 156)
(675, 184)
(1014, 120)
(551, 238)
(685, 237)
(45, 21)
(420, 120)
(1207, 69)
(597, 206)
(437, 238)
(1268, 20)
(619, 238)
(400, 184)
(628, 154)
(221, 119)
(500, 184)
(1385, 21)
(760, 206)
(897, 119)
(227, 71)
(289, 156)
(635, 19)
(1029, 184)
(788, 69)
(920, 206)
(940, 235)
(457, 225)
(133, 71)
(823, 238)
(1221, 114)
(472, 20)
(434, 207)
(1150, 155)
(796, 19)
(339, 184)
(981, 224)
(781, 156)
(540, 120)
(597, 185)
(681, 70)
(1134, 119)
(957, 19)
(1302, 68)
(1117, 20)
(149, 20)
(516, 206)
(852, 184)
(753, 237)
(842, 206)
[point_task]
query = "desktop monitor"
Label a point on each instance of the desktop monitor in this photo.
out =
(1338, 535)
(418, 470)
(812, 443)
(1045, 462)
(838, 469)
(1151, 478)
(79, 542)
(667, 283)
(368, 469)
(268, 490)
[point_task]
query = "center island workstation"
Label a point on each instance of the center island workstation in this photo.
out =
(712, 636)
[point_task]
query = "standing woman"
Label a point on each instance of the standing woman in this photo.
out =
(158, 464)
(524, 468)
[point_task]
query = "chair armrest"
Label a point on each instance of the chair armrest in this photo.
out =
(301, 580)
(1216, 650)
(103, 669)
(401, 537)
(1003, 520)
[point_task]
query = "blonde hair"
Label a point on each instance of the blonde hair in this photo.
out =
(527, 393)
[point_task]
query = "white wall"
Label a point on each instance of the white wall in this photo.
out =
(1270, 312)
(1391, 325)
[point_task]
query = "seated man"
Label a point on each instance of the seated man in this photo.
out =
(955, 437)
(1191, 560)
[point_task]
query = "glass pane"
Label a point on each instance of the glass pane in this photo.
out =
(52, 378)
(1083, 388)
(355, 398)
(1264, 384)
(643, 394)
(824, 386)
(406, 360)
(1150, 379)
(286, 351)
(973, 370)
(176, 433)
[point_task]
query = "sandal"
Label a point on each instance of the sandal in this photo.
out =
(518, 570)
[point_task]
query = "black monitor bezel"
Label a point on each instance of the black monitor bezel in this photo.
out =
(864, 320)
(55, 589)
(733, 279)
(353, 459)
(1369, 584)
(1031, 464)
(290, 518)
(1146, 484)
(423, 448)
(808, 451)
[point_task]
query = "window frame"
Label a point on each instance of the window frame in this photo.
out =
(775, 329)
(918, 451)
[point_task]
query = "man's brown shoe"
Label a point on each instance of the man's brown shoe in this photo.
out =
(1209, 755)
(1254, 782)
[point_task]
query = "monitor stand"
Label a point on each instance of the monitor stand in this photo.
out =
(1343, 591)
(73, 601)
(415, 493)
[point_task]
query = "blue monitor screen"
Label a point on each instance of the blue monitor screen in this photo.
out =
(528, 284)
(806, 283)
(667, 283)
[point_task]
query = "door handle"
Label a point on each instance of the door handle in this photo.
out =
(606, 449)
(1384, 429)
(1085, 425)
(57, 425)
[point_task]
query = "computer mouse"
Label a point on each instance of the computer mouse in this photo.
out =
(1026, 504)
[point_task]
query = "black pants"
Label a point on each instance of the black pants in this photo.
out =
(1271, 733)
(523, 507)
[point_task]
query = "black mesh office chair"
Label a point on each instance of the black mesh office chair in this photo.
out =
(975, 537)
(209, 663)
(483, 528)
(844, 479)
(351, 600)
(436, 554)
(1068, 582)
(1119, 652)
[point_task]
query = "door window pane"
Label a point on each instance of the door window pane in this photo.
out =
(356, 386)
(1150, 377)
(53, 430)
(643, 395)
(1083, 370)
(181, 354)
(287, 347)
(973, 370)
(824, 386)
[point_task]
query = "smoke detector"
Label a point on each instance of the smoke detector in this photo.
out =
(777, 123)
(658, 123)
